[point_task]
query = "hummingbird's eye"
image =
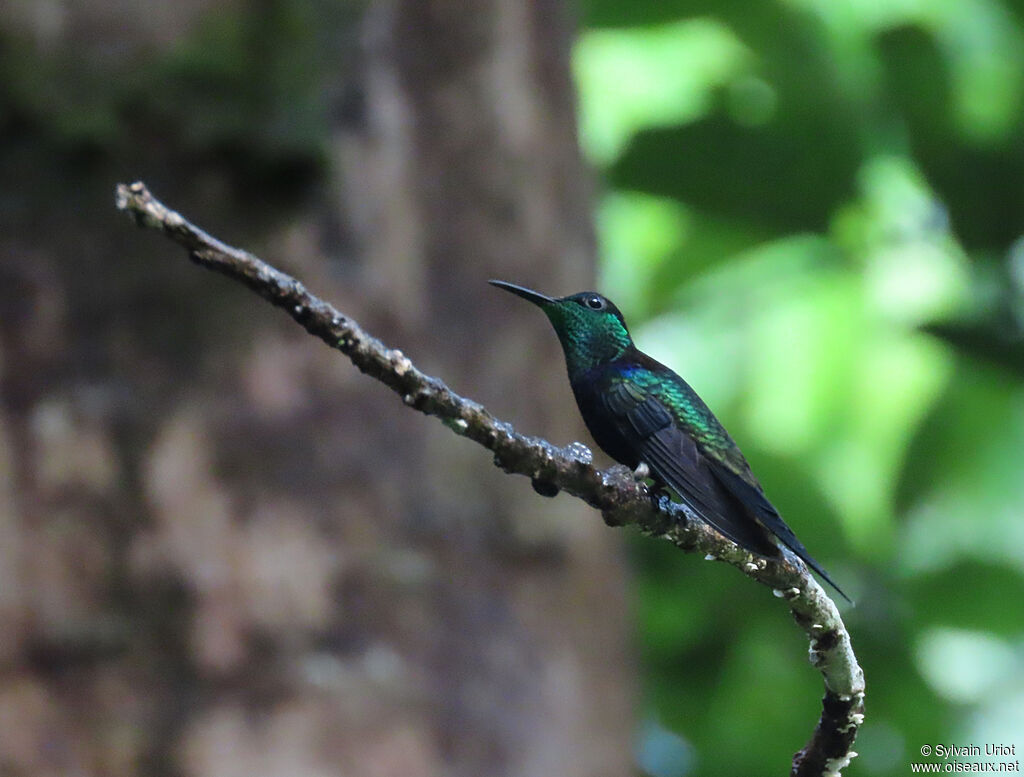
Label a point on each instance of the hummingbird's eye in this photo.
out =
(594, 302)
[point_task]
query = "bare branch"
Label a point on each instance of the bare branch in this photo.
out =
(621, 499)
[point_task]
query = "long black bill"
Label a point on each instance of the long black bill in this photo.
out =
(520, 291)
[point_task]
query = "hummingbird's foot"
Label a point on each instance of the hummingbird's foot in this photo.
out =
(660, 495)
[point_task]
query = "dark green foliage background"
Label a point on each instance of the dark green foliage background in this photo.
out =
(821, 230)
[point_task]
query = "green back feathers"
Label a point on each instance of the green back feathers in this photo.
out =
(690, 412)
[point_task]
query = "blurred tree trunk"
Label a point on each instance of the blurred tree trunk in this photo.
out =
(223, 551)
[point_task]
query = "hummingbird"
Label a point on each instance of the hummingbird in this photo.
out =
(645, 416)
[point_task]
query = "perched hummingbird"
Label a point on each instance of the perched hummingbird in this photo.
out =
(641, 413)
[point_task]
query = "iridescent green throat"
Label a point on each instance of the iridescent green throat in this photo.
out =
(588, 338)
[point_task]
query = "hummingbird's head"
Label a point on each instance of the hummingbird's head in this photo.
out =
(591, 329)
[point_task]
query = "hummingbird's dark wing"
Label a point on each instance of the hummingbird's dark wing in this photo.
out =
(675, 459)
(753, 498)
(720, 489)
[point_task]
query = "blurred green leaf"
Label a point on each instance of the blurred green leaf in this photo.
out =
(968, 595)
(982, 182)
(656, 76)
(771, 177)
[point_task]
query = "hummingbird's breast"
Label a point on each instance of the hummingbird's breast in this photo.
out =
(589, 389)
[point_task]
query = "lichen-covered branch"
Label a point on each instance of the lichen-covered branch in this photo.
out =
(620, 498)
